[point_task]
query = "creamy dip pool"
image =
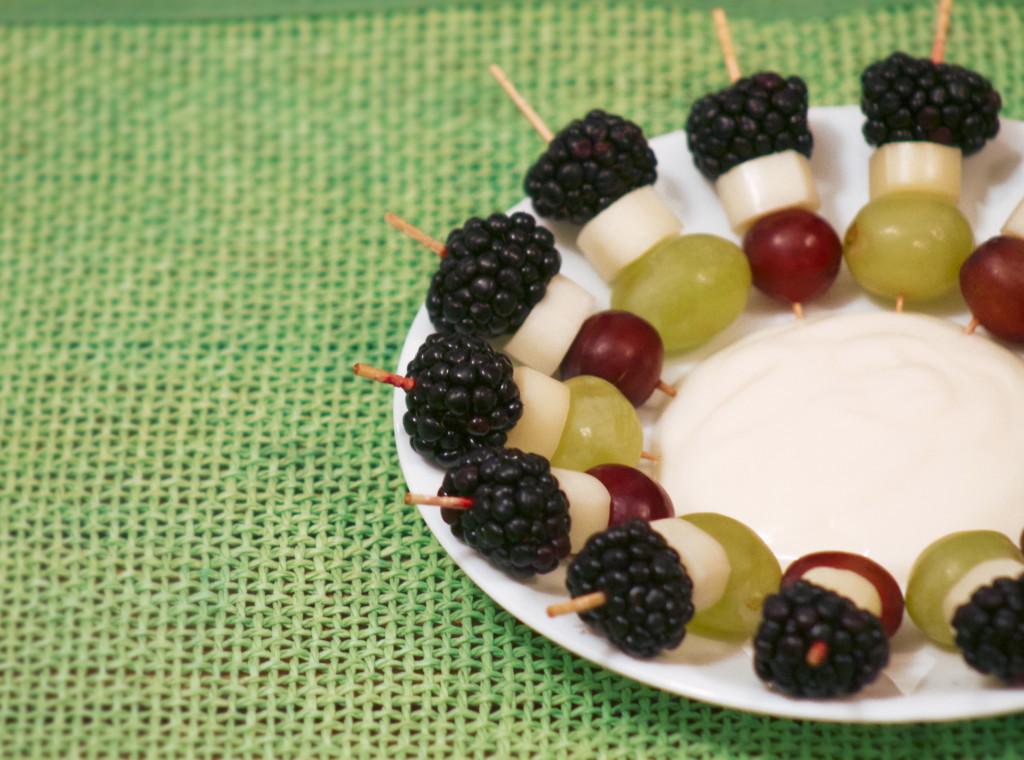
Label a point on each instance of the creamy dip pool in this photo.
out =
(869, 433)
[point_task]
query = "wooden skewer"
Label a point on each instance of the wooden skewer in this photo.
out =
(732, 65)
(816, 654)
(941, 30)
(383, 376)
(521, 103)
(416, 234)
(451, 502)
(798, 309)
(648, 456)
(900, 301)
(666, 388)
(974, 325)
(578, 604)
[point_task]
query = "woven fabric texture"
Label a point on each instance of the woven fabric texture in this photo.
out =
(202, 543)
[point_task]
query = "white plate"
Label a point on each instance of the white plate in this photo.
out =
(922, 683)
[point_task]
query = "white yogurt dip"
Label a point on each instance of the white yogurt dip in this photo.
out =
(870, 433)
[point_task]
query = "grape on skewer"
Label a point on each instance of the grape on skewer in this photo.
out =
(622, 348)
(992, 281)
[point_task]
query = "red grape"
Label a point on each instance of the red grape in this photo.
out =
(634, 495)
(621, 348)
(888, 589)
(794, 255)
(992, 281)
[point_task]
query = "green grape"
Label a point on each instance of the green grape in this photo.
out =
(602, 427)
(689, 287)
(908, 244)
(754, 574)
(938, 568)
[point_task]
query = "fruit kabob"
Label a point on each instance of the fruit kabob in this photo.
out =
(826, 632)
(923, 116)
(499, 278)
(524, 516)
(599, 172)
(753, 142)
(966, 592)
(462, 394)
(644, 584)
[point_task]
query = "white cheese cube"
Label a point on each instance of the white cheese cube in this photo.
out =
(625, 231)
(590, 505)
(767, 184)
(545, 410)
(916, 167)
(542, 340)
(847, 583)
(704, 558)
(980, 575)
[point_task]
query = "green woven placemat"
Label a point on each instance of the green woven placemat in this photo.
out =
(150, 10)
(202, 547)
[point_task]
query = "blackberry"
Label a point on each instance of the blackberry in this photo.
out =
(649, 594)
(907, 98)
(519, 519)
(755, 116)
(495, 270)
(588, 166)
(464, 397)
(990, 629)
(815, 643)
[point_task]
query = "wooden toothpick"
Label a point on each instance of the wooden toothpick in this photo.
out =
(451, 502)
(941, 30)
(383, 376)
(416, 234)
(521, 103)
(666, 388)
(732, 65)
(578, 604)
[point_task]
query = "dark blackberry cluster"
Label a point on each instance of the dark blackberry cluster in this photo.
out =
(649, 594)
(464, 397)
(853, 647)
(990, 629)
(908, 98)
(755, 116)
(519, 519)
(495, 270)
(588, 166)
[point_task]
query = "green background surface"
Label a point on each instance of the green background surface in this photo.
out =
(202, 545)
